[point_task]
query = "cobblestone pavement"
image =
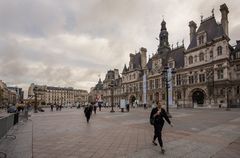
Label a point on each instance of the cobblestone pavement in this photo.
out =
(196, 133)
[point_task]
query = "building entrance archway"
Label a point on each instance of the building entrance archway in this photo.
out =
(198, 97)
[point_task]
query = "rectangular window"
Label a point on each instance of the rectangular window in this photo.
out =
(195, 78)
(151, 84)
(201, 78)
(163, 82)
(220, 74)
(141, 86)
(156, 83)
(178, 79)
(201, 39)
(191, 79)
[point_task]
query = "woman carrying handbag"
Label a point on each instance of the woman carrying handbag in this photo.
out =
(157, 117)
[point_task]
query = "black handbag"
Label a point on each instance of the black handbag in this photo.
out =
(152, 120)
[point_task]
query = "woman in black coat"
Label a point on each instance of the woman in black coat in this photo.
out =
(159, 114)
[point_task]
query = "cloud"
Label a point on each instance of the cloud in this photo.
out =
(69, 43)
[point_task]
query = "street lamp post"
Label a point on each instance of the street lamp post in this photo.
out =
(37, 92)
(167, 80)
(35, 102)
(111, 85)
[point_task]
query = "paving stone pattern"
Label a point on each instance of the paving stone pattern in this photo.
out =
(196, 133)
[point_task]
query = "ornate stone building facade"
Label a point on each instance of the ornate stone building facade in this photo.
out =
(57, 95)
(207, 72)
(102, 92)
(7, 96)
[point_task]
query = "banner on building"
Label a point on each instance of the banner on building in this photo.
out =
(170, 91)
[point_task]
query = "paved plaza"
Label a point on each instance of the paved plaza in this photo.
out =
(65, 134)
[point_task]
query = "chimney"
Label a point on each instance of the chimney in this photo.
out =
(224, 20)
(143, 52)
(238, 42)
(193, 26)
(116, 74)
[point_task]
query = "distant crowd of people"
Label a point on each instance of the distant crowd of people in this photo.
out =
(58, 107)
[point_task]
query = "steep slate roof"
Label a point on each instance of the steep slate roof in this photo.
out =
(212, 29)
(58, 88)
(149, 64)
(178, 56)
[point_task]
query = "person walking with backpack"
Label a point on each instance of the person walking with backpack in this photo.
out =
(158, 114)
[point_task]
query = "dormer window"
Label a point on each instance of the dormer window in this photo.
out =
(219, 50)
(201, 57)
(201, 39)
(190, 58)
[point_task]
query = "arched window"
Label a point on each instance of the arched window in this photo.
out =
(201, 57)
(219, 50)
(190, 58)
(211, 54)
(195, 58)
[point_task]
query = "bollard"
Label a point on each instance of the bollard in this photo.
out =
(15, 118)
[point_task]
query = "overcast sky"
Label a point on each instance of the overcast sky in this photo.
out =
(69, 43)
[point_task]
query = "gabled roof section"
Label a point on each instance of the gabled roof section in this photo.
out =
(211, 27)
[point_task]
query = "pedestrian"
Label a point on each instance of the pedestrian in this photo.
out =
(100, 106)
(127, 107)
(158, 114)
(95, 108)
(51, 107)
(88, 112)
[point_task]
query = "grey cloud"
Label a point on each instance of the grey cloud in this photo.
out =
(82, 39)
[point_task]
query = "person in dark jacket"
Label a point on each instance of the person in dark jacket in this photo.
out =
(88, 112)
(159, 114)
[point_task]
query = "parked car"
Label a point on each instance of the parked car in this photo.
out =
(40, 109)
(12, 109)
